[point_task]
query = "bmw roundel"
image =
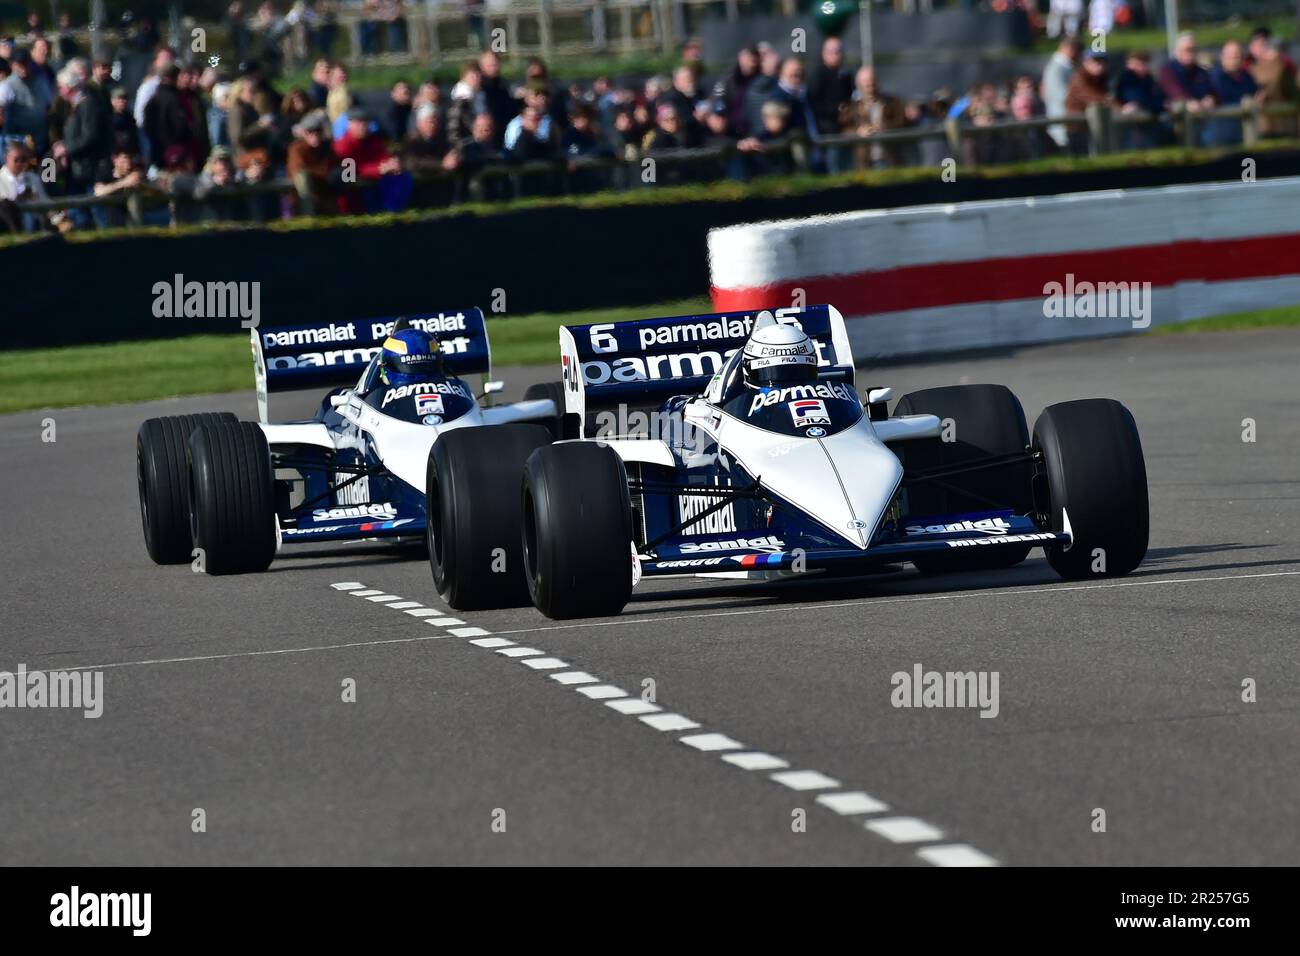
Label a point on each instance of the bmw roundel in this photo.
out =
(816, 432)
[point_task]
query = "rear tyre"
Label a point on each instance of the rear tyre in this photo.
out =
(577, 530)
(162, 476)
(554, 392)
(472, 506)
(233, 498)
(1096, 473)
(987, 421)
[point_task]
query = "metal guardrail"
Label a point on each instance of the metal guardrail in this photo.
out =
(1099, 124)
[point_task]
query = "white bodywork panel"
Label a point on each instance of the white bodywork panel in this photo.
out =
(907, 427)
(846, 481)
(403, 447)
(649, 450)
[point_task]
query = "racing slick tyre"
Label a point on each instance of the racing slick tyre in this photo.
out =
(232, 492)
(577, 530)
(162, 475)
(987, 421)
(1096, 474)
(472, 504)
(554, 392)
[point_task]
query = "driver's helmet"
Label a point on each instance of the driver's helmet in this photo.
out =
(409, 357)
(777, 355)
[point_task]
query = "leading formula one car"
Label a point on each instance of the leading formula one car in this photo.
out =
(767, 463)
(230, 493)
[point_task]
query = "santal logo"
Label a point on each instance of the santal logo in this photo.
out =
(768, 543)
(74, 909)
(1098, 300)
(987, 525)
(946, 689)
(384, 510)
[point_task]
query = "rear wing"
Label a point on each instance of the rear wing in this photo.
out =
(648, 360)
(327, 354)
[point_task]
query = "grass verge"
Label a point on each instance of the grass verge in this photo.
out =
(201, 364)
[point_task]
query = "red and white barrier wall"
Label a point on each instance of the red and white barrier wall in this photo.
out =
(973, 275)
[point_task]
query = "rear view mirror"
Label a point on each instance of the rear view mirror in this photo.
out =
(491, 388)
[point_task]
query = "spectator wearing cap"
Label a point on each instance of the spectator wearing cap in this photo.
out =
(312, 165)
(24, 113)
(1090, 84)
(365, 152)
(1257, 48)
(1277, 85)
(1137, 91)
(1185, 81)
(1231, 83)
(782, 153)
(123, 174)
(830, 88)
(121, 124)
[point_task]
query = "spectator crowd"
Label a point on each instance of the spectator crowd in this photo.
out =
(174, 147)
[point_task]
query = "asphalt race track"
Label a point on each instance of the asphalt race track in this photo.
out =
(225, 693)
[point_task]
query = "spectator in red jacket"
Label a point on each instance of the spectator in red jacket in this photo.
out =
(367, 153)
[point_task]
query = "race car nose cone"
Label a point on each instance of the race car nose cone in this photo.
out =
(844, 481)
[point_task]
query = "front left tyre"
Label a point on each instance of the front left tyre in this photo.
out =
(232, 490)
(472, 507)
(577, 527)
(162, 476)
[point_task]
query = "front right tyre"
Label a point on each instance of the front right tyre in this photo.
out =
(1096, 481)
(232, 491)
(163, 479)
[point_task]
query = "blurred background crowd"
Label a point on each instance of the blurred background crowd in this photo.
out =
(199, 139)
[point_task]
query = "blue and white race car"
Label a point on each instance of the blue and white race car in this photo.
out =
(737, 445)
(227, 495)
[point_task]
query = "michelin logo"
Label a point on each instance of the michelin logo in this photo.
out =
(1009, 539)
(986, 525)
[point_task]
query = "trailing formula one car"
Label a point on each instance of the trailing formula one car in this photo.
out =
(767, 463)
(230, 493)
